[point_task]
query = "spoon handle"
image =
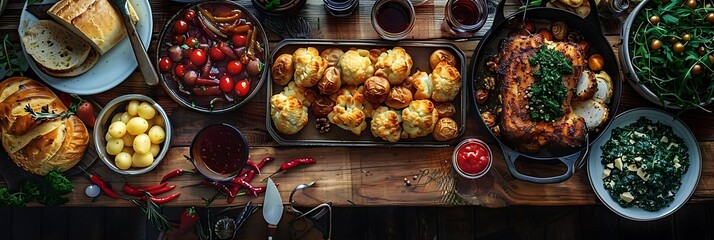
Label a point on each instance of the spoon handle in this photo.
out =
(147, 69)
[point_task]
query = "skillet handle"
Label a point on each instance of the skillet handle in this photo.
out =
(593, 18)
(499, 17)
(569, 161)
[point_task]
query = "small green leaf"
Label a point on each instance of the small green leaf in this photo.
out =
(669, 19)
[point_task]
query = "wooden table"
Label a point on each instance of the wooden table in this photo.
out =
(364, 176)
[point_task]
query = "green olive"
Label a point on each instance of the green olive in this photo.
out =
(701, 50)
(692, 4)
(687, 37)
(678, 47)
(696, 69)
(710, 17)
(655, 44)
(655, 19)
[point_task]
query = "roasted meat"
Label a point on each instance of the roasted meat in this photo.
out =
(516, 76)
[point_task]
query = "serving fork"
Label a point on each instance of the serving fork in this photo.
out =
(142, 58)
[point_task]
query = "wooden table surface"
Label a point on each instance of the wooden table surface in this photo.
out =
(365, 176)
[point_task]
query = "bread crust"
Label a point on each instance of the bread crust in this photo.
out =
(95, 21)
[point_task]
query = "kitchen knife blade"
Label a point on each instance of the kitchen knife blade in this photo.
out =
(272, 208)
(40, 10)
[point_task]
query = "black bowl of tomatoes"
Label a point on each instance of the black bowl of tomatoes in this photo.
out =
(211, 56)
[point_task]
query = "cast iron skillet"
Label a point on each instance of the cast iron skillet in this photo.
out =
(590, 29)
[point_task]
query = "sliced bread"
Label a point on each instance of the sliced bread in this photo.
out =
(54, 47)
(92, 59)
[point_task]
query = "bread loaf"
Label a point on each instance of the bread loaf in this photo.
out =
(38, 146)
(96, 21)
(53, 47)
(79, 70)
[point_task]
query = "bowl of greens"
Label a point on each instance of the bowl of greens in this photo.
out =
(646, 165)
(667, 52)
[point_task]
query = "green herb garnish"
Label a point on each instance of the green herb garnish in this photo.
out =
(675, 68)
(45, 114)
(531, 4)
(547, 95)
(49, 193)
(11, 63)
(272, 4)
(644, 163)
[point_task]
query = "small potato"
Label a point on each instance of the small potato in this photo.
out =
(129, 150)
(158, 121)
(146, 111)
(116, 118)
(108, 137)
(123, 160)
(142, 159)
(133, 107)
(117, 129)
(157, 135)
(115, 146)
(128, 140)
(154, 150)
(125, 117)
(142, 144)
(137, 125)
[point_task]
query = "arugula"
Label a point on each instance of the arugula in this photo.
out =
(11, 63)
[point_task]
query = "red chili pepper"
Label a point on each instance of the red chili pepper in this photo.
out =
(253, 165)
(102, 185)
(265, 160)
(154, 190)
(189, 219)
(128, 189)
(219, 186)
(236, 187)
(153, 187)
(259, 190)
(244, 184)
(175, 173)
(293, 163)
(162, 200)
(162, 190)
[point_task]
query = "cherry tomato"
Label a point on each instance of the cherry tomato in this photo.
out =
(165, 64)
(226, 83)
(178, 39)
(234, 67)
(529, 26)
(198, 57)
(189, 15)
(216, 54)
(546, 34)
(191, 41)
(238, 40)
(181, 26)
(179, 70)
(242, 87)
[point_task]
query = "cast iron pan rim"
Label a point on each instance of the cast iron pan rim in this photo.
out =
(580, 24)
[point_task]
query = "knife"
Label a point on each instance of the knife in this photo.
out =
(40, 10)
(272, 208)
(147, 69)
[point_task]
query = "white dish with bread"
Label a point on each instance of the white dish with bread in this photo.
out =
(83, 49)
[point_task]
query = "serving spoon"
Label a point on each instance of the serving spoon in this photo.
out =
(142, 58)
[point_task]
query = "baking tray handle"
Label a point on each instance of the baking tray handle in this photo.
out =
(572, 162)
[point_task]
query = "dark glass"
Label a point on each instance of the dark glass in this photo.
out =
(393, 17)
(466, 12)
(221, 149)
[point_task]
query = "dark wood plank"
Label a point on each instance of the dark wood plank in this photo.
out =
(659, 229)
(598, 222)
(124, 223)
(350, 223)
(26, 223)
(87, 223)
(54, 223)
(564, 223)
(456, 222)
(381, 223)
(490, 223)
(690, 222)
(6, 219)
(428, 223)
(408, 223)
(526, 222)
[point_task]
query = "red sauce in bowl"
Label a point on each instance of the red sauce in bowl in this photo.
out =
(472, 158)
(219, 151)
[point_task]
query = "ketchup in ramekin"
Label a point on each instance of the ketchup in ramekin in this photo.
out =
(472, 158)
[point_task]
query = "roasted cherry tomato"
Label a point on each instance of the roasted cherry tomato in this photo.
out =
(191, 42)
(165, 64)
(181, 26)
(178, 39)
(179, 70)
(226, 83)
(238, 40)
(529, 26)
(234, 67)
(189, 15)
(216, 54)
(198, 57)
(242, 88)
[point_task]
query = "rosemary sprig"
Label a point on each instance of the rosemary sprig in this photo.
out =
(153, 213)
(45, 114)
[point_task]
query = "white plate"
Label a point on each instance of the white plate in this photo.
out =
(689, 179)
(112, 68)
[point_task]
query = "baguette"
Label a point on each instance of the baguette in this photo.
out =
(54, 47)
(81, 69)
(38, 147)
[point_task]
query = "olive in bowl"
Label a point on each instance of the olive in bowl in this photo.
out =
(211, 56)
(132, 134)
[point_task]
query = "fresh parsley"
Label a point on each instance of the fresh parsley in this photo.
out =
(11, 63)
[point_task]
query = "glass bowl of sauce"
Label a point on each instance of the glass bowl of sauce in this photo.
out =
(219, 152)
(472, 158)
(393, 19)
(463, 18)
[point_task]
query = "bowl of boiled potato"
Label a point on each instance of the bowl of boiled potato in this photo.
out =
(132, 134)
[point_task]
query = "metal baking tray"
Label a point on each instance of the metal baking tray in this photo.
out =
(419, 51)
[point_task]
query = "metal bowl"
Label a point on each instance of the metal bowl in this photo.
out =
(629, 69)
(102, 125)
(210, 131)
(171, 86)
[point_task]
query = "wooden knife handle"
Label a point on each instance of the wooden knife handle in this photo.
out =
(142, 58)
(271, 231)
